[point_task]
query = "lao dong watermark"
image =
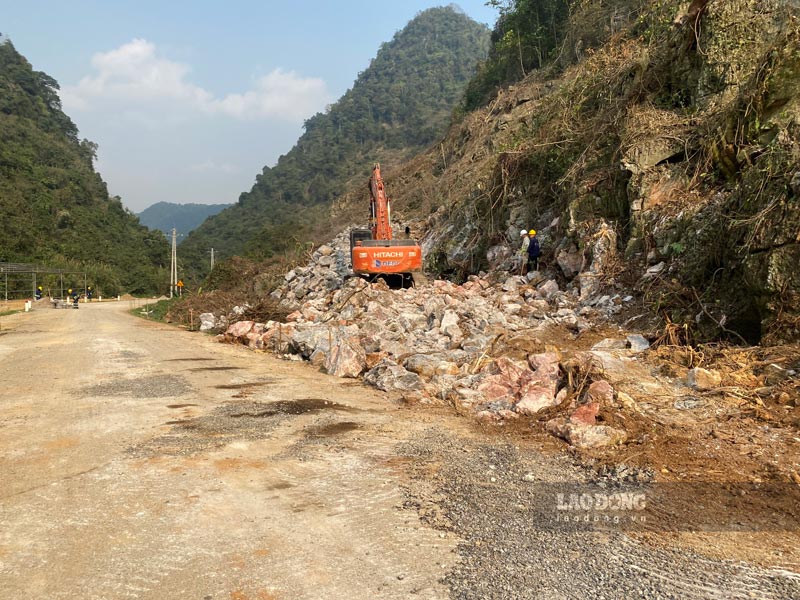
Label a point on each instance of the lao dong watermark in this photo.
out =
(601, 508)
(707, 506)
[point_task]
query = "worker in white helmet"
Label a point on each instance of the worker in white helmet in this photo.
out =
(523, 251)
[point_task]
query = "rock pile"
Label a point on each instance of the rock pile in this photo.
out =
(432, 342)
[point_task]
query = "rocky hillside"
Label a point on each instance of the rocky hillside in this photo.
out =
(400, 104)
(657, 152)
(55, 206)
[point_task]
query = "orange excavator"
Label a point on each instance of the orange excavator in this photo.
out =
(373, 251)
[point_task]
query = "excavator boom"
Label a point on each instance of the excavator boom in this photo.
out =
(379, 205)
(373, 251)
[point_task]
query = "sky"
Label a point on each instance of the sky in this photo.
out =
(189, 100)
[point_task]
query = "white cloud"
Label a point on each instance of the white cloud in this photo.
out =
(210, 166)
(135, 75)
(281, 93)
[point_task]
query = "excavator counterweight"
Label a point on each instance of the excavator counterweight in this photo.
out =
(373, 251)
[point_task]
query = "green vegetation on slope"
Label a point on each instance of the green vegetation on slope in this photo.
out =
(183, 217)
(524, 37)
(56, 208)
(400, 104)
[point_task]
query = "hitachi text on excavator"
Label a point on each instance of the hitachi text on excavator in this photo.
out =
(373, 251)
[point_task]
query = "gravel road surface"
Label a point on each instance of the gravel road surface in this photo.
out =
(141, 461)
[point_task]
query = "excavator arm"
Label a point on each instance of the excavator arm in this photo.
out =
(373, 251)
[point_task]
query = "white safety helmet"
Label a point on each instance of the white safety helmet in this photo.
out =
(524, 232)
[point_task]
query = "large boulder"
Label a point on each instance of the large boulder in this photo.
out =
(207, 321)
(278, 337)
(307, 338)
(570, 261)
(601, 392)
(538, 389)
(346, 359)
(239, 330)
(388, 376)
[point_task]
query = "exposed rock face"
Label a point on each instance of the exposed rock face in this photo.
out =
(702, 124)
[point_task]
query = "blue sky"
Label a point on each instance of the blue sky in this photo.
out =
(189, 100)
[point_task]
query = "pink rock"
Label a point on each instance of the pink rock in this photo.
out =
(294, 316)
(600, 391)
(493, 388)
(508, 368)
(346, 359)
(545, 365)
(240, 329)
(535, 396)
(254, 340)
(373, 358)
(538, 387)
(586, 414)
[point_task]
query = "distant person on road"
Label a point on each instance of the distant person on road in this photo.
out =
(39, 293)
(534, 251)
(523, 251)
(89, 294)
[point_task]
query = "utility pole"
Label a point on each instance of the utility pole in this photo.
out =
(212, 259)
(173, 269)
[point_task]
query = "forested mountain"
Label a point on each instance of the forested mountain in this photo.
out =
(55, 207)
(401, 103)
(183, 217)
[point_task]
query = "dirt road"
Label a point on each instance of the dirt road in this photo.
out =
(141, 461)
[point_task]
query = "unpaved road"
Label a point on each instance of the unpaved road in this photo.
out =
(141, 461)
